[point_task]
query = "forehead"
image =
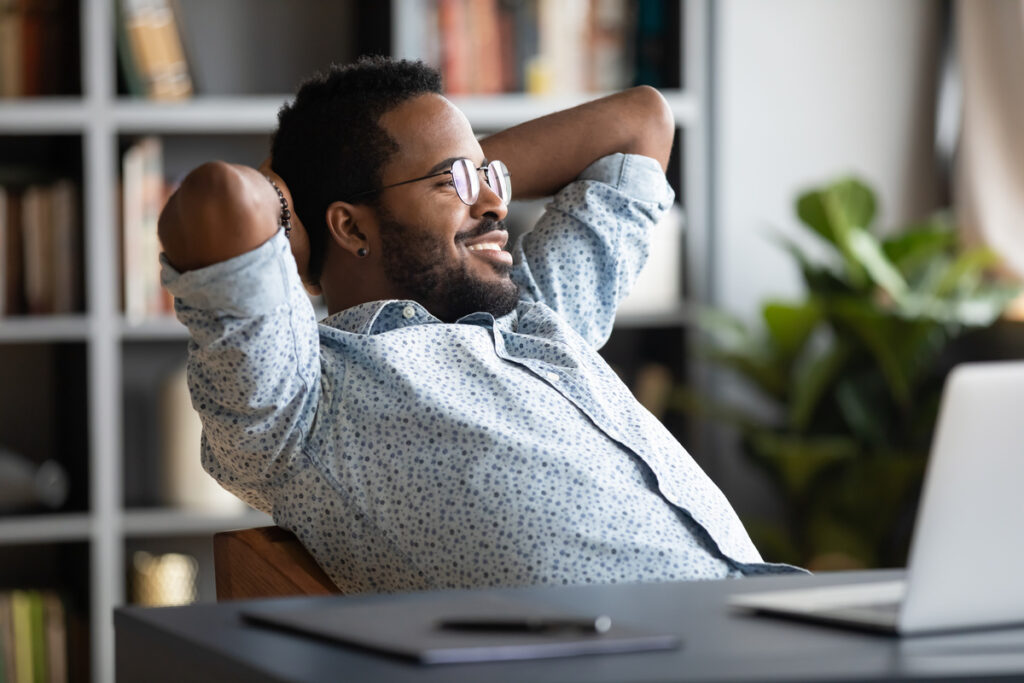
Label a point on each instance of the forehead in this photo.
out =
(428, 129)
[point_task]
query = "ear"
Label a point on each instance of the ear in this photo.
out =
(343, 224)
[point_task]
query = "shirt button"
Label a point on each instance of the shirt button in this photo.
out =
(552, 376)
(408, 312)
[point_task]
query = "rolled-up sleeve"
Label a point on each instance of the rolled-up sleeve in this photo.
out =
(253, 367)
(586, 251)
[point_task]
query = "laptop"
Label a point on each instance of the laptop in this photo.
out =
(966, 564)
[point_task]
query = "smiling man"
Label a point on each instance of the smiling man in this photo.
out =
(450, 423)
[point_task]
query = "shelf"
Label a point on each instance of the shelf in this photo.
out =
(259, 114)
(154, 329)
(43, 115)
(233, 115)
(169, 522)
(44, 328)
(44, 528)
(492, 112)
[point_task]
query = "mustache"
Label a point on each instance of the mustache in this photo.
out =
(486, 225)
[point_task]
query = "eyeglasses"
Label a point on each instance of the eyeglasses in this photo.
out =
(466, 179)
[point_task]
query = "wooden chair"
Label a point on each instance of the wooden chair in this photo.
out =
(265, 562)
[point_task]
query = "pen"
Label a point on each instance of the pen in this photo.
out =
(599, 624)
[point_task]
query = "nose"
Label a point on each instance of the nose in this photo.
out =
(488, 204)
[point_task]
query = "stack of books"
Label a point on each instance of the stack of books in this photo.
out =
(535, 46)
(38, 47)
(40, 249)
(33, 637)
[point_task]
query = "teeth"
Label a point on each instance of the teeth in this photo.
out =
(486, 246)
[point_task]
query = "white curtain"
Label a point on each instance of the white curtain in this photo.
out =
(989, 184)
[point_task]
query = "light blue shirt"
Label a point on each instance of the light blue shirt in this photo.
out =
(407, 453)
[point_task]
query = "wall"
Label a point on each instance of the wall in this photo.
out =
(806, 91)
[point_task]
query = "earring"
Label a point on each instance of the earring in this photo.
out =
(362, 252)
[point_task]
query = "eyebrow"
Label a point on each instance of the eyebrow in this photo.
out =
(447, 164)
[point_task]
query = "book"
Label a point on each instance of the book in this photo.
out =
(56, 638)
(37, 634)
(21, 628)
(151, 50)
(38, 47)
(13, 302)
(143, 195)
(33, 637)
(40, 242)
(37, 234)
(65, 261)
(4, 241)
(7, 672)
(10, 49)
(455, 56)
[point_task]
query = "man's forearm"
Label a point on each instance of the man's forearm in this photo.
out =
(546, 154)
(220, 211)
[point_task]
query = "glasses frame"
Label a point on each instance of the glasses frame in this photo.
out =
(499, 168)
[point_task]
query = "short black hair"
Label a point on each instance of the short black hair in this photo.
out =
(329, 145)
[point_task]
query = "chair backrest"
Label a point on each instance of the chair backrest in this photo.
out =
(265, 562)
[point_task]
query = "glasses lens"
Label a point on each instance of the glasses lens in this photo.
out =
(499, 181)
(467, 182)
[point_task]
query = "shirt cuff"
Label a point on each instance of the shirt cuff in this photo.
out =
(248, 284)
(636, 176)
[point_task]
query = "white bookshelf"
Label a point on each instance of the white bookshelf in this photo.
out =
(102, 119)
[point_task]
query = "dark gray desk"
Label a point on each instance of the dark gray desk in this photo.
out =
(211, 643)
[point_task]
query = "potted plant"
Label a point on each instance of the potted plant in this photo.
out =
(852, 373)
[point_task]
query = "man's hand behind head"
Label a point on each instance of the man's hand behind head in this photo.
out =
(223, 210)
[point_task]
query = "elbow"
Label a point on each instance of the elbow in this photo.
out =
(656, 126)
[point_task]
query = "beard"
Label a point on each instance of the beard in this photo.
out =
(421, 266)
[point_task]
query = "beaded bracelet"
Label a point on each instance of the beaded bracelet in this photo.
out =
(286, 215)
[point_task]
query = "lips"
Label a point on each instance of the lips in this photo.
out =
(493, 240)
(490, 246)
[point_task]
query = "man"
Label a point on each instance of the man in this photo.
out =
(450, 423)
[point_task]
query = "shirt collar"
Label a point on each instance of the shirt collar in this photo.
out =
(375, 317)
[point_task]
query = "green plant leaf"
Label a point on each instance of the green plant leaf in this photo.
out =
(727, 331)
(791, 324)
(964, 273)
(919, 245)
(869, 253)
(811, 379)
(859, 405)
(880, 335)
(830, 211)
(818, 278)
(797, 461)
(764, 372)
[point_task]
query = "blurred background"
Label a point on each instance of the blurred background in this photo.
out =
(849, 181)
